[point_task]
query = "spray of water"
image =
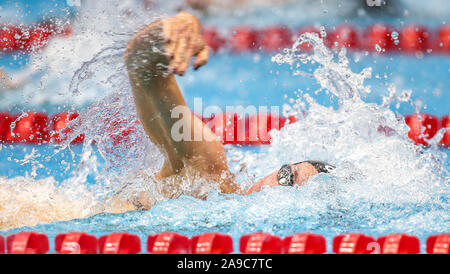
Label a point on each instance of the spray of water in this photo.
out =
(382, 183)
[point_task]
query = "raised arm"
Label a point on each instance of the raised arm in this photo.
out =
(157, 52)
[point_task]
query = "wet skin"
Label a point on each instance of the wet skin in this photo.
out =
(173, 42)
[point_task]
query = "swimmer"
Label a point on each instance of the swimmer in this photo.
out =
(153, 57)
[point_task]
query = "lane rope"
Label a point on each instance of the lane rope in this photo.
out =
(218, 243)
(40, 128)
(381, 38)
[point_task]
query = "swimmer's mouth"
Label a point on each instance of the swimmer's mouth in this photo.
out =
(285, 175)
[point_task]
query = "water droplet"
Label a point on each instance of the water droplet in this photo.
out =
(378, 48)
(394, 35)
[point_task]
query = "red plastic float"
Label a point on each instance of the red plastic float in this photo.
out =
(438, 244)
(305, 243)
(31, 128)
(217, 243)
(260, 125)
(7, 38)
(243, 39)
(444, 38)
(275, 38)
(212, 243)
(28, 38)
(430, 124)
(5, 124)
(27, 243)
(2, 245)
(261, 243)
(399, 244)
(445, 123)
(119, 243)
(310, 29)
(168, 243)
(76, 243)
(352, 243)
(38, 38)
(60, 127)
(414, 38)
(230, 128)
(379, 34)
(344, 36)
(213, 39)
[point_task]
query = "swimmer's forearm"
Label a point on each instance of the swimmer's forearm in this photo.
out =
(155, 91)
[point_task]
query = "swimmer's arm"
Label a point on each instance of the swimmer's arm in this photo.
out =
(153, 53)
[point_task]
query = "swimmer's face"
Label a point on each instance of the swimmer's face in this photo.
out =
(301, 172)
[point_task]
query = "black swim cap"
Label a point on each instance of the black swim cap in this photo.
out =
(320, 166)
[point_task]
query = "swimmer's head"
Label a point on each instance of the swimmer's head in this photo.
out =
(285, 176)
(288, 175)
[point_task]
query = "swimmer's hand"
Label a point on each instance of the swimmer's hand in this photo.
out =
(183, 35)
(170, 43)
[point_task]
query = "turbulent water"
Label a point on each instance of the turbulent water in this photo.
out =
(383, 183)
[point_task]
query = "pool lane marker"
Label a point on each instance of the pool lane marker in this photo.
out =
(377, 38)
(218, 243)
(39, 128)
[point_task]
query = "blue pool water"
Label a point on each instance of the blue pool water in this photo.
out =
(382, 184)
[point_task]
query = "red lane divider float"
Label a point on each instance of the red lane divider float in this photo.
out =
(38, 128)
(381, 35)
(444, 38)
(2, 245)
(119, 243)
(445, 123)
(410, 38)
(168, 243)
(5, 124)
(353, 243)
(218, 243)
(29, 38)
(76, 243)
(399, 244)
(215, 40)
(310, 29)
(414, 38)
(229, 127)
(345, 36)
(275, 38)
(31, 128)
(243, 38)
(212, 243)
(427, 123)
(305, 243)
(260, 243)
(438, 244)
(61, 128)
(27, 243)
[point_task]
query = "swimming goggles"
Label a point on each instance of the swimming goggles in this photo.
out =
(285, 175)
